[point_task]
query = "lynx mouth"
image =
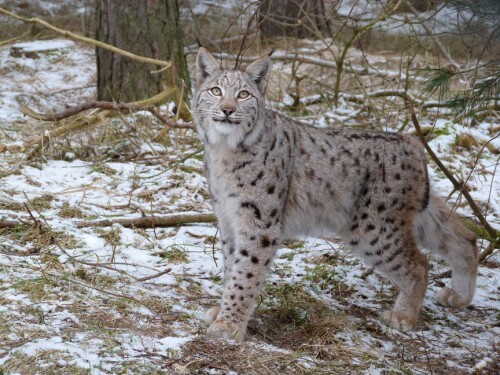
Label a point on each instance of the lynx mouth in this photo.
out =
(227, 121)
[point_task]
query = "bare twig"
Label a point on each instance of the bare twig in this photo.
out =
(114, 294)
(440, 45)
(16, 38)
(456, 184)
(45, 228)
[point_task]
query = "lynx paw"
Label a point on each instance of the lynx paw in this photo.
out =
(226, 330)
(399, 321)
(448, 297)
(211, 315)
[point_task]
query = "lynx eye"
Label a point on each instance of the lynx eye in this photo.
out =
(243, 94)
(216, 91)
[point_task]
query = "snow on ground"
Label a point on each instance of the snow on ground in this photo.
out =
(73, 301)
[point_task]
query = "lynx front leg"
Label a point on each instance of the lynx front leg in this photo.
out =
(243, 285)
(228, 250)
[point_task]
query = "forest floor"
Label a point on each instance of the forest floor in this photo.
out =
(79, 300)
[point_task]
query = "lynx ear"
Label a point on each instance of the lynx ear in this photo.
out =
(259, 71)
(206, 65)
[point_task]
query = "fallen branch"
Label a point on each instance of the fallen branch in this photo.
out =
(460, 187)
(11, 224)
(69, 34)
(139, 222)
(103, 105)
(151, 221)
(36, 143)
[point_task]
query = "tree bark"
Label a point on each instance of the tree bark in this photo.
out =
(296, 18)
(147, 28)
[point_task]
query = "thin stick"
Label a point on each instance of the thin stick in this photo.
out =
(456, 184)
(69, 34)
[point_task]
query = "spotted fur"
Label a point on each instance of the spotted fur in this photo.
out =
(271, 178)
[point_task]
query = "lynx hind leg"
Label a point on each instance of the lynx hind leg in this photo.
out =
(390, 248)
(409, 273)
(443, 233)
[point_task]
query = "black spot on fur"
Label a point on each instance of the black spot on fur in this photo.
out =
(244, 252)
(270, 189)
(254, 259)
(259, 176)
(394, 255)
(249, 275)
(252, 205)
(264, 241)
(396, 267)
(273, 144)
(241, 165)
(427, 193)
(347, 152)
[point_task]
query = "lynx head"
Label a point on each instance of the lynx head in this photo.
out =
(229, 105)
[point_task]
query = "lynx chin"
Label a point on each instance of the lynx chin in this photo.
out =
(271, 178)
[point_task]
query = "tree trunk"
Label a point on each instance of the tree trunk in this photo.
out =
(295, 18)
(149, 28)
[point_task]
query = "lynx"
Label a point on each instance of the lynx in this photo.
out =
(272, 178)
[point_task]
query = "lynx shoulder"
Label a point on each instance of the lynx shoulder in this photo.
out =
(272, 178)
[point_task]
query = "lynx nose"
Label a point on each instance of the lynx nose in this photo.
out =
(228, 107)
(228, 111)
